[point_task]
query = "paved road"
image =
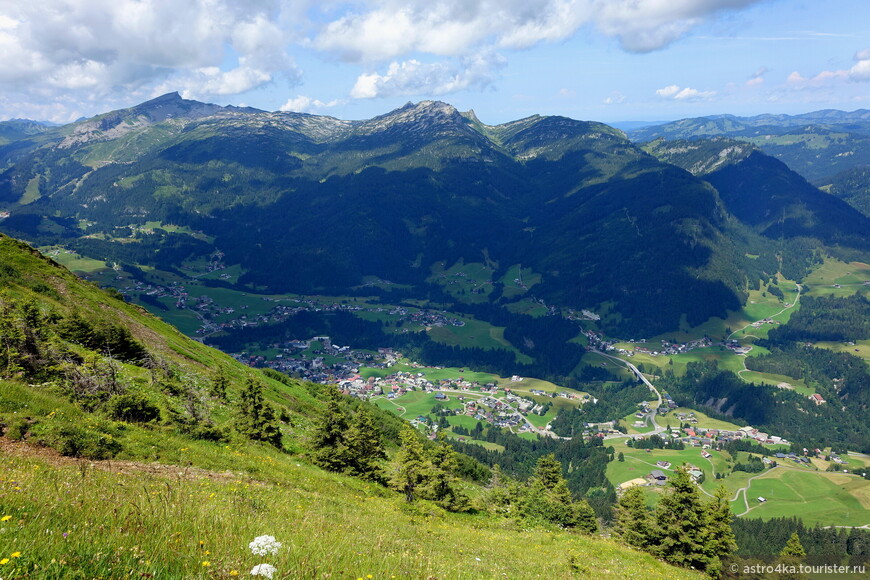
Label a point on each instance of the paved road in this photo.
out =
(651, 417)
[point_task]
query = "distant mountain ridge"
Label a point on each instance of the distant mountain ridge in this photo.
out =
(315, 204)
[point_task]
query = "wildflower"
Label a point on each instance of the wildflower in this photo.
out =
(234, 572)
(206, 564)
(4, 561)
(263, 570)
(5, 518)
(263, 545)
(15, 555)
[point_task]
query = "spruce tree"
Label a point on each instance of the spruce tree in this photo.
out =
(441, 485)
(634, 523)
(256, 419)
(719, 517)
(502, 493)
(329, 438)
(793, 547)
(682, 525)
(219, 384)
(410, 470)
(364, 446)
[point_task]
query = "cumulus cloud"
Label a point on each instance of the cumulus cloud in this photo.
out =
(412, 77)
(102, 47)
(117, 50)
(684, 94)
(389, 29)
(303, 104)
(859, 72)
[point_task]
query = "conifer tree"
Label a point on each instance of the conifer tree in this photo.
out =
(410, 469)
(719, 517)
(682, 525)
(441, 484)
(633, 520)
(256, 419)
(329, 438)
(502, 493)
(219, 384)
(793, 547)
(547, 497)
(364, 446)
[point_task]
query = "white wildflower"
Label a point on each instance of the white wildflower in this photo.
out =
(263, 570)
(264, 545)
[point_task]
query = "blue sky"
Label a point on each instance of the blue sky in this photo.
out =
(606, 60)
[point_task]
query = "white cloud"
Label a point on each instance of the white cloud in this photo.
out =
(102, 48)
(668, 91)
(859, 72)
(303, 104)
(684, 94)
(388, 29)
(757, 77)
(615, 98)
(413, 77)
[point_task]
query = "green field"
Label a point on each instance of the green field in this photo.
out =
(72, 260)
(470, 282)
(860, 348)
(817, 497)
(850, 278)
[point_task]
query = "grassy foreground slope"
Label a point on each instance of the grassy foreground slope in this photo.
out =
(176, 501)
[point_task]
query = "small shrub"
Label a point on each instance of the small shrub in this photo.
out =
(75, 441)
(18, 429)
(132, 408)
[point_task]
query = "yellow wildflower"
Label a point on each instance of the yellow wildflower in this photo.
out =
(4, 561)
(234, 572)
(15, 555)
(206, 563)
(5, 518)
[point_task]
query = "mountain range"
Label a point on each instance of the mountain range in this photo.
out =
(826, 147)
(314, 204)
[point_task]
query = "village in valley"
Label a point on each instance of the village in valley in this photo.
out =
(764, 475)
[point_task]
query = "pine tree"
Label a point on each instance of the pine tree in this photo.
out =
(364, 446)
(329, 438)
(682, 525)
(547, 497)
(621, 456)
(256, 419)
(441, 484)
(502, 493)
(633, 520)
(585, 517)
(410, 469)
(719, 517)
(793, 547)
(219, 384)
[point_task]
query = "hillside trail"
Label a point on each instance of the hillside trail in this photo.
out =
(26, 450)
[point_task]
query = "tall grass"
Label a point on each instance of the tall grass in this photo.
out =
(76, 519)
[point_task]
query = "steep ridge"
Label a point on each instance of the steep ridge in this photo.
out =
(765, 194)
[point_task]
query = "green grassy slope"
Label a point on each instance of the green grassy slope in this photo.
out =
(168, 505)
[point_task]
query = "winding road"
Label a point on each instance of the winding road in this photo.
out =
(651, 416)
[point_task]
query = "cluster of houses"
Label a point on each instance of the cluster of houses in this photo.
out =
(703, 437)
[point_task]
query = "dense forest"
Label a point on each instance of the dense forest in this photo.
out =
(759, 538)
(584, 462)
(826, 318)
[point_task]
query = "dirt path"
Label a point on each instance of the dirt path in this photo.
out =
(52, 457)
